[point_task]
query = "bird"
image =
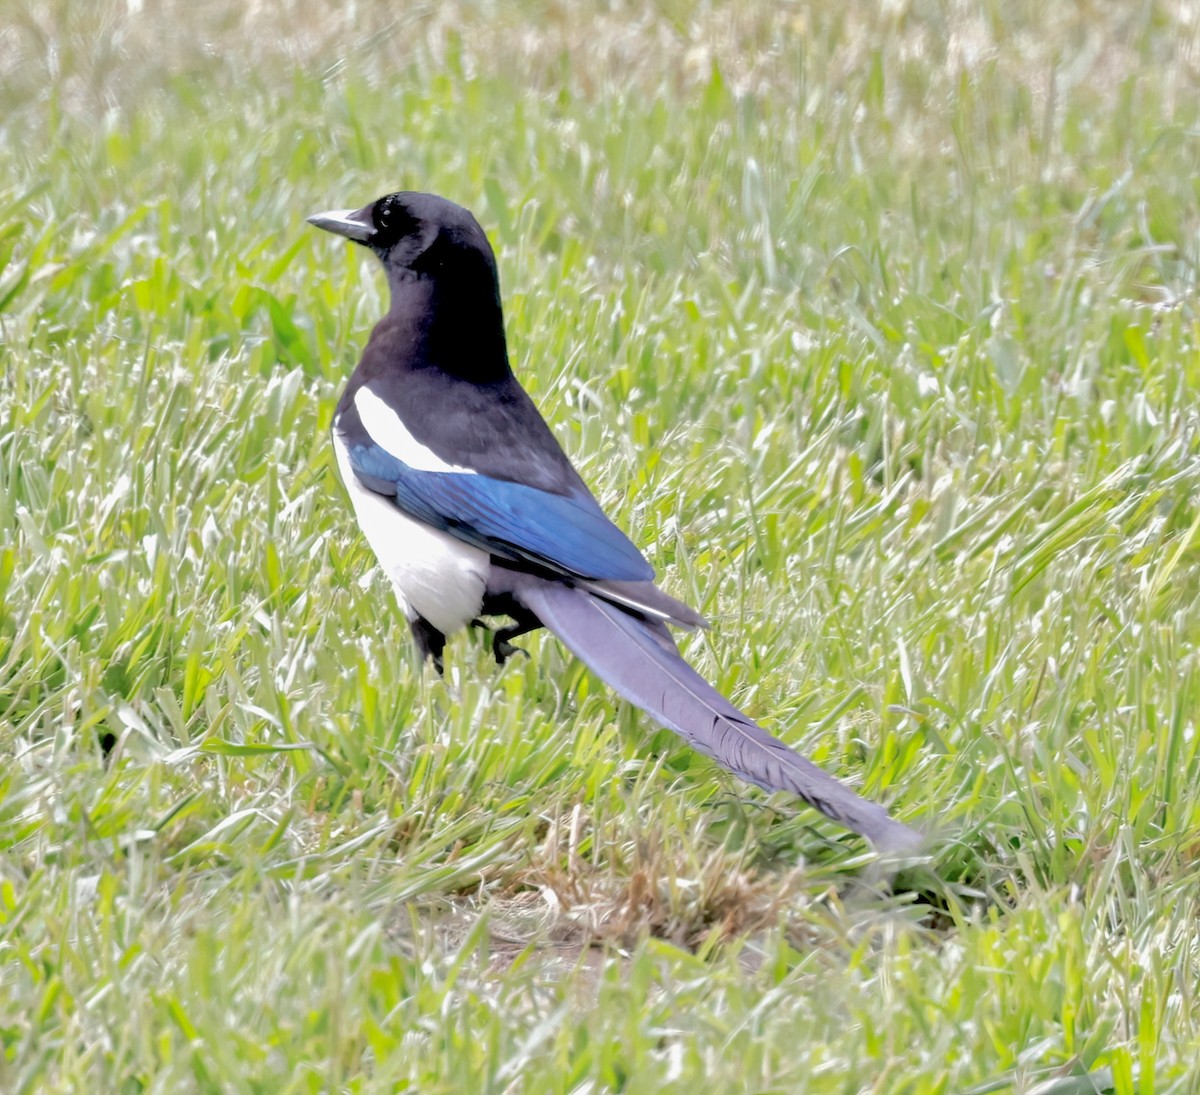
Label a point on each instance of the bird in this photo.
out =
(473, 509)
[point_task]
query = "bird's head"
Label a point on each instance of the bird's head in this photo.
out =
(415, 235)
(442, 275)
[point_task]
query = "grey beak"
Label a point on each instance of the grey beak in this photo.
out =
(354, 224)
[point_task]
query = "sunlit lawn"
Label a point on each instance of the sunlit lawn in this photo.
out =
(877, 329)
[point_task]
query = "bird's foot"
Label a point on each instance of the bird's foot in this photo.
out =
(503, 649)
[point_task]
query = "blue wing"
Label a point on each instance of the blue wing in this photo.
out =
(567, 534)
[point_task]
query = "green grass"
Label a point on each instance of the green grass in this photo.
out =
(877, 329)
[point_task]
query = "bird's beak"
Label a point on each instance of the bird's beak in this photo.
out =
(351, 223)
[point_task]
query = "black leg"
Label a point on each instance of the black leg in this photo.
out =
(524, 622)
(430, 641)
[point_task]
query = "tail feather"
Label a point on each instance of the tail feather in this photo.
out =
(648, 600)
(639, 660)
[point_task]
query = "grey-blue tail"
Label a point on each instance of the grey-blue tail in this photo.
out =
(639, 660)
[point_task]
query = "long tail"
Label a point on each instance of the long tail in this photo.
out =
(639, 660)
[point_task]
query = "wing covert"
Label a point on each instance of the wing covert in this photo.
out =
(567, 534)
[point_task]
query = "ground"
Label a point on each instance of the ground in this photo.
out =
(875, 325)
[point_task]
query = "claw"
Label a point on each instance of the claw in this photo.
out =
(503, 649)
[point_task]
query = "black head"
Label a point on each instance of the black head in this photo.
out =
(446, 311)
(415, 235)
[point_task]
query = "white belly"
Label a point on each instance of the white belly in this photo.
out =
(436, 576)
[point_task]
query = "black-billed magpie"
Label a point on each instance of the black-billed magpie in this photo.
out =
(472, 508)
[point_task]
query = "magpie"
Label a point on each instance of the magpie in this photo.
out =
(473, 509)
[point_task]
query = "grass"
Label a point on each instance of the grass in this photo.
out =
(877, 328)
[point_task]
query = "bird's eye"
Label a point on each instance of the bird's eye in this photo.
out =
(386, 215)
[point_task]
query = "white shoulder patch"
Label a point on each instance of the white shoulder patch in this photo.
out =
(390, 434)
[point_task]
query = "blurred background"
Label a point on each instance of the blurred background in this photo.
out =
(874, 323)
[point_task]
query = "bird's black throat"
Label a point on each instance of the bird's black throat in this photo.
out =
(450, 321)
